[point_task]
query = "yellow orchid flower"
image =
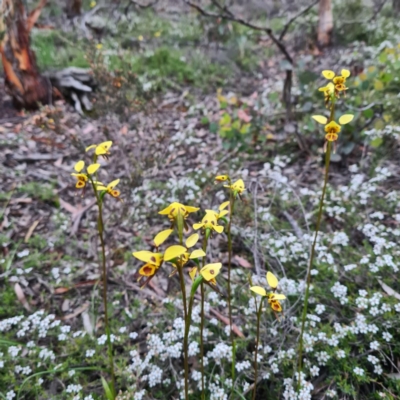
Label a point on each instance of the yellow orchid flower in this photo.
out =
(222, 178)
(179, 256)
(332, 129)
(161, 237)
(83, 177)
(210, 222)
(192, 240)
(210, 271)
(339, 81)
(328, 91)
(110, 189)
(175, 209)
(193, 273)
(101, 149)
(174, 252)
(237, 187)
(153, 262)
(273, 298)
(221, 210)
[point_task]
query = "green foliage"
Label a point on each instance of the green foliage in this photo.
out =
(56, 50)
(43, 192)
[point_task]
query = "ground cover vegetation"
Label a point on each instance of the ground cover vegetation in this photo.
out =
(200, 234)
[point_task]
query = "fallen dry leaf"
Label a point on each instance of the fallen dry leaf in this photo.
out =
(21, 296)
(389, 290)
(78, 311)
(242, 262)
(30, 230)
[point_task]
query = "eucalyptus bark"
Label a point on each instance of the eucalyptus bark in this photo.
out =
(23, 81)
(325, 23)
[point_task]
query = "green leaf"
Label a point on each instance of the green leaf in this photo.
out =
(378, 85)
(368, 113)
(376, 142)
(386, 77)
(245, 128)
(236, 125)
(204, 120)
(379, 124)
(213, 127)
(107, 389)
(225, 119)
(382, 58)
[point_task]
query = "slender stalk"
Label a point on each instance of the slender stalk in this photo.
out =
(256, 352)
(203, 394)
(187, 325)
(312, 254)
(180, 226)
(229, 233)
(100, 228)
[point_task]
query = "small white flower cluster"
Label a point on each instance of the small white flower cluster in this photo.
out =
(10, 395)
(219, 352)
(22, 370)
(340, 292)
(73, 388)
(46, 354)
(305, 393)
(241, 366)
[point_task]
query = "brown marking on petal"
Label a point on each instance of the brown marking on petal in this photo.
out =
(212, 222)
(147, 270)
(153, 259)
(275, 305)
(331, 137)
(212, 272)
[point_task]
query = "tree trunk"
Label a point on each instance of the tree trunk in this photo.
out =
(73, 8)
(23, 81)
(325, 23)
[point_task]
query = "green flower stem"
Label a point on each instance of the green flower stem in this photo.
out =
(256, 351)
(205, 242)
(100, 228)
(180, 226)
(231, 207)
(312, 255)
(186, 341)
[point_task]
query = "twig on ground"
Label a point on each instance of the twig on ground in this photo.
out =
(294, 225)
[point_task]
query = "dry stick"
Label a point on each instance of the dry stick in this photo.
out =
(231, 207)
(256, 351)
(319, 218)
(100, 227)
